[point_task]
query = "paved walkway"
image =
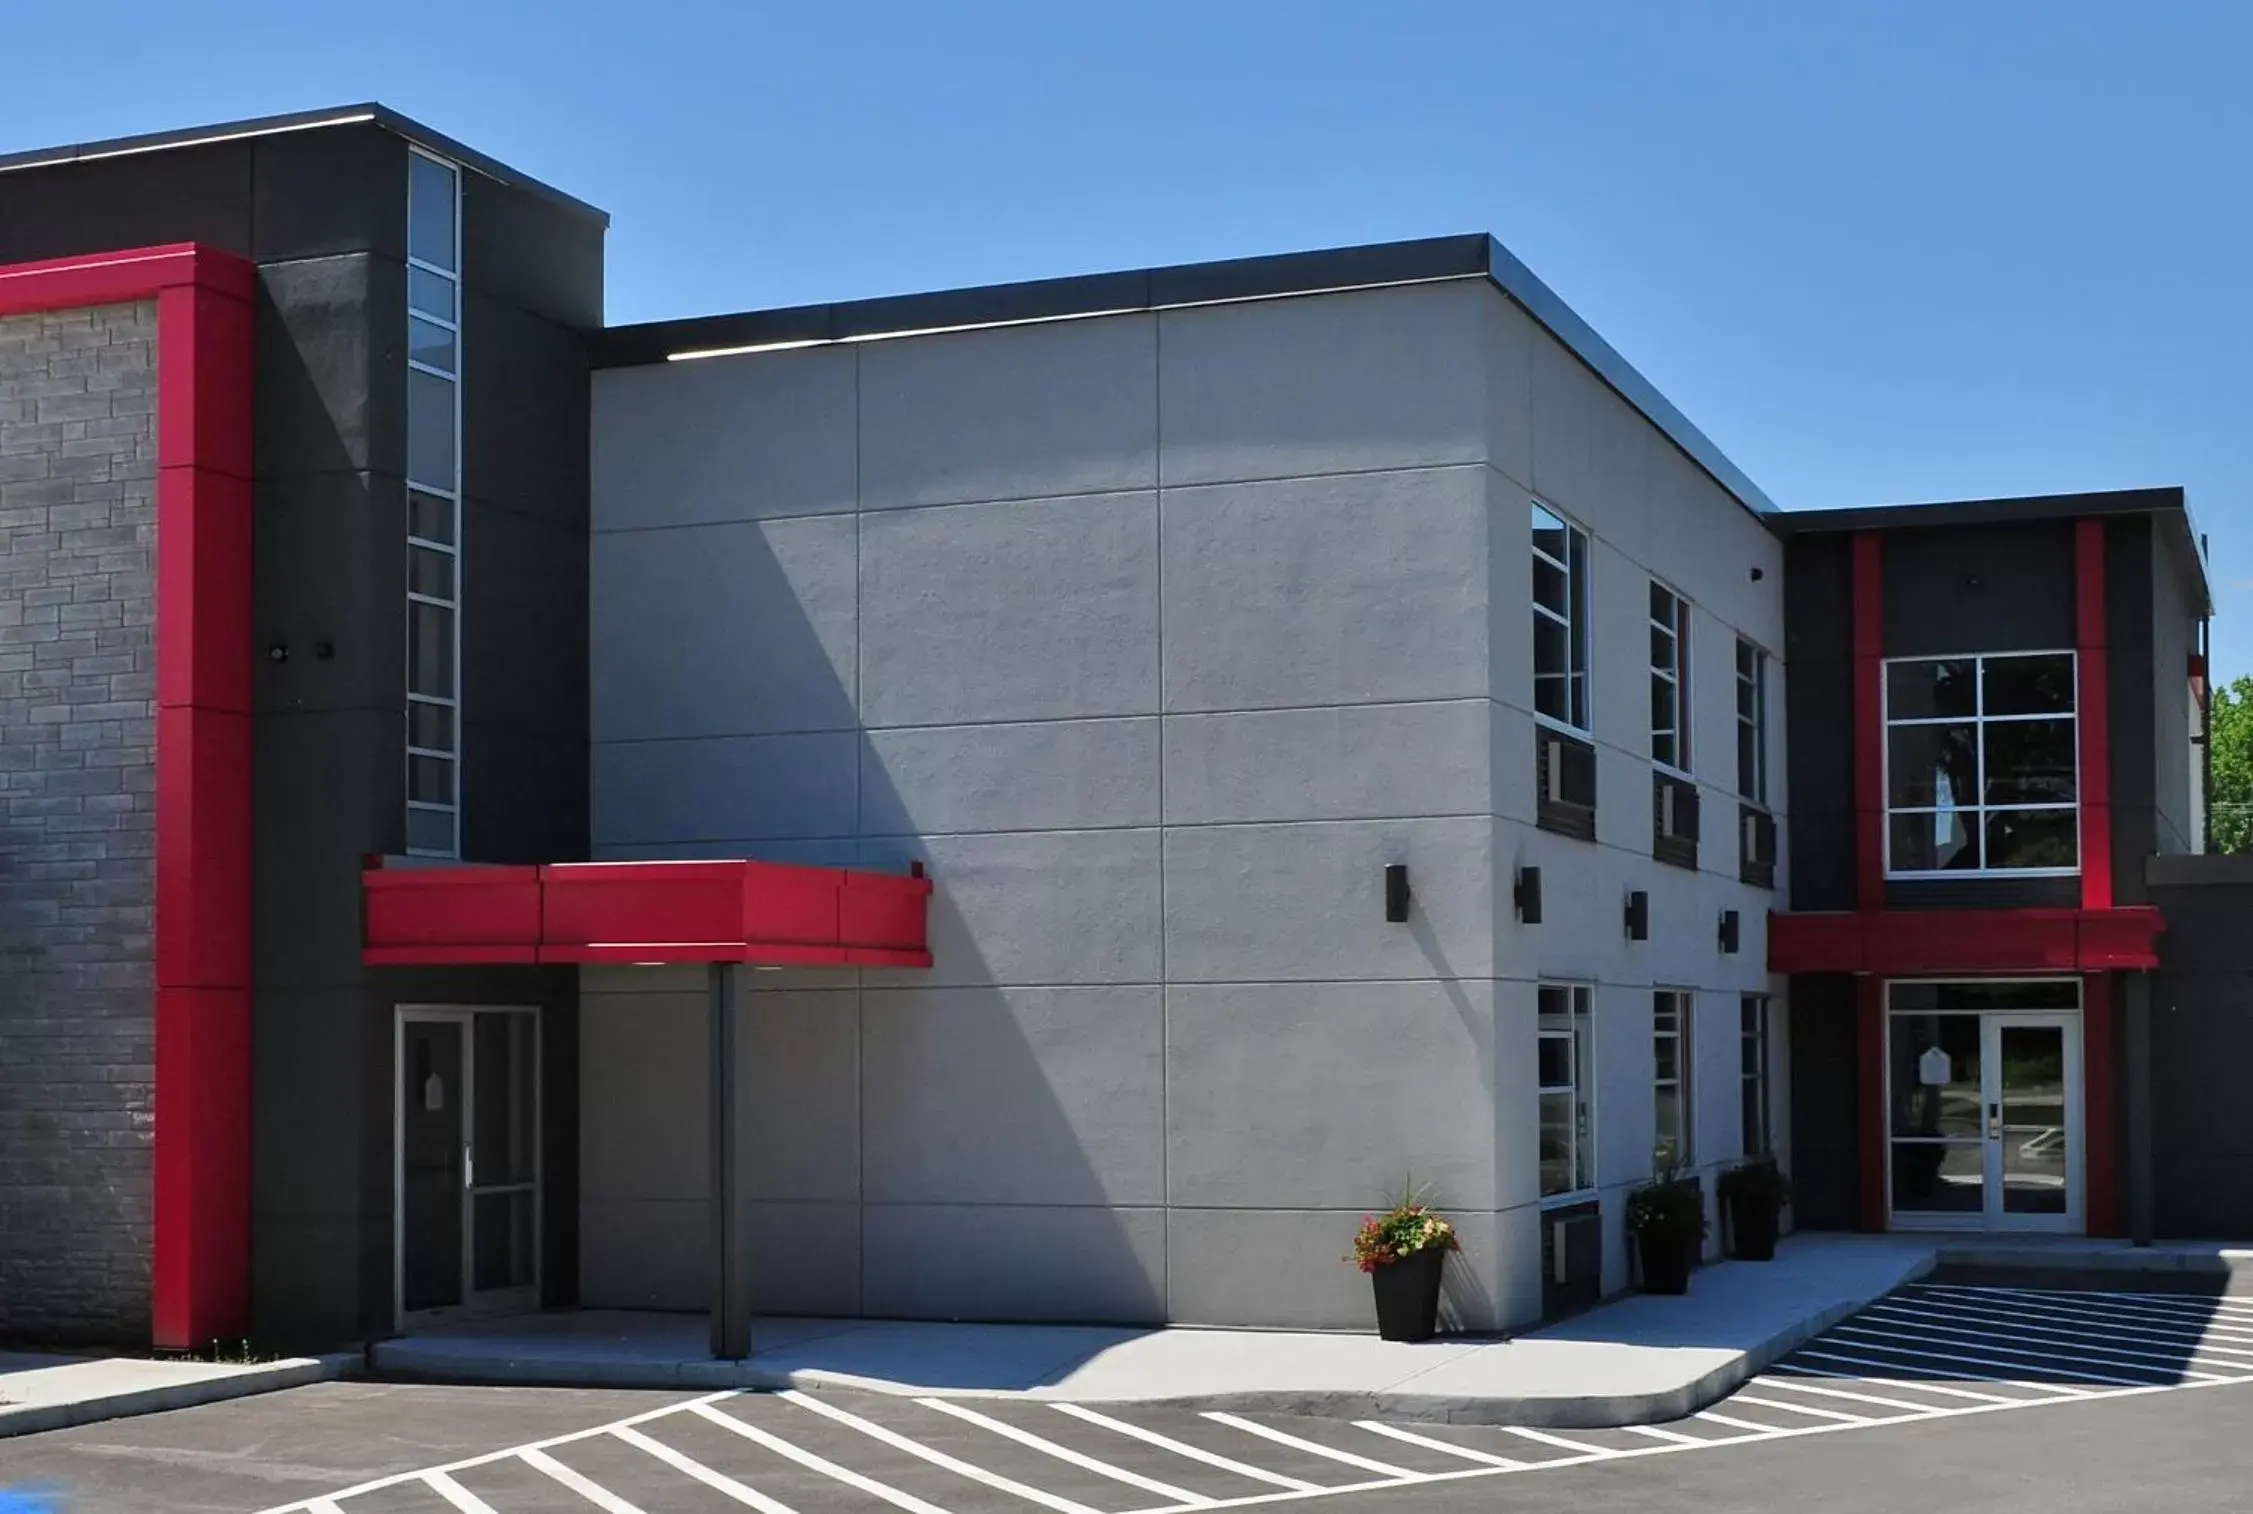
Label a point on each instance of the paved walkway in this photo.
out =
(1639, 1359)
(39, 1391)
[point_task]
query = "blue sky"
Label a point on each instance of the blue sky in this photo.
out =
(1878, 251)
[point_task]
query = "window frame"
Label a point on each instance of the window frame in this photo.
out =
(1684, 1153)
(1675, 676)
(1578, 674)
(1979, 720)
(1752, 730)
(451, 495)
(1755, 1041)
(1579, 1035)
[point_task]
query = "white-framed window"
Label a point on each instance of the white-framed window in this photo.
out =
(434, 426)
(1752, 1039)
(1672, 1144)
(1752, 722)
(1560, 620)
(1982, 765)
(1670, 678)
(1568, 1090)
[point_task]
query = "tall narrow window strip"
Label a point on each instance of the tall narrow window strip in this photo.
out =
(1566, 1074)
(433, 382)
(1672, 1145)
(1670, 679)
(1759, 1129)
(1752, 723)
(1560, 620)
(1982, 765)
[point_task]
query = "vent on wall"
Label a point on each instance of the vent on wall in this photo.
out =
(1564, 770)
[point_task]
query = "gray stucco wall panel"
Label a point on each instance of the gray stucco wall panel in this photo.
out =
(1282, 1267)
(1069, 408)
(1326, 590)
(1040, 775)
(1015, 1096)
(677, 611)
(802, 1072)
(966, 1261)
(1322, 1095)
(725, 439)
(1023, 610)
(724, 789)
(1351, 762)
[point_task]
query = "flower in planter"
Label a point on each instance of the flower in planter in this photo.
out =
(1402, 1231)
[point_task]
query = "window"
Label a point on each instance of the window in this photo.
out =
(1752, 722)
(1671, 1078)
(1670, 679)
(433, 507)
(1759, 1132)
(1568, 1130)
(1560, 620)
(1981, 765)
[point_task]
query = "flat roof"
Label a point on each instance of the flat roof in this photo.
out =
(1331, 271)
(2168, 505)
(304, 120)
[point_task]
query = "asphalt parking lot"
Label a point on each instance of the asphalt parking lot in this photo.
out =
(2030, 1374)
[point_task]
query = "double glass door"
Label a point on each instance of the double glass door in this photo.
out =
(467, 1179)
(1985, 1116)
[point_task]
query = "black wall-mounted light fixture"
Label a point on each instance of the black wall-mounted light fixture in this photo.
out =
(1638, 916)
(1729, 932)
(1527, 895)
(1396, 892)
(277, 651)
(1758, 574)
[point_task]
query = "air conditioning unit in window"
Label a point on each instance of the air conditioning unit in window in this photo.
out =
(1759, 837)
(1553, 770)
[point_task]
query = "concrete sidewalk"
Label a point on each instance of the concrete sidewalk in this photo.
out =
(39, 1391)
(1639, 1359)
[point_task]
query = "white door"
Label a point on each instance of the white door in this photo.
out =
(466, 1164)
(1985, 1121)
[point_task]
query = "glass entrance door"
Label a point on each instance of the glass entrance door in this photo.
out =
(467, 1173)
(1984, 1116)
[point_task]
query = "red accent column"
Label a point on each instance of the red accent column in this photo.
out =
(1869, 720)
(1869, 1025)
(2100, 1105)
(200, 1288)
(2092, 698)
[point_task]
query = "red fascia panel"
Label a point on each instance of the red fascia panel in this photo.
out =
(1923, 943)
(2100, 1103)
(451, 916)
(2095, 724)
(200, 1266)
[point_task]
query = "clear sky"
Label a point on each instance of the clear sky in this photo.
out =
(1879, 250)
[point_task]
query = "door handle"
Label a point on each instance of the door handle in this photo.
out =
(469, 1167)
(1995, 1121)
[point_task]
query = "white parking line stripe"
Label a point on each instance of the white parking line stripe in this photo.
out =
(806, 1458)
(1065, 1453)
(2226, 1303)
(1940, 1335)
(2088, 1337)
(586, 1487)
(1808, 1409)
(956, 1465)
(1397, 1433)
(2229, 1327)
(1655, 1433)
(1559, 1441)
(1766, 1381)
(457, 1495)
(2184, 1337)
(1739, 1424)
(2063, 1390)
(1182, 1448)
(1313, 1448)
(315, 1506)
(718, 1481)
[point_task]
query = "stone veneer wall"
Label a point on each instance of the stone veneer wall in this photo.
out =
(77, 821)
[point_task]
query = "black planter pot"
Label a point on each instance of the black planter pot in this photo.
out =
(1667, 1257)
(1408, 1295)
(1752, 1229)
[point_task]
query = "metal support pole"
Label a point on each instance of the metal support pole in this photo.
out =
(731, 1179)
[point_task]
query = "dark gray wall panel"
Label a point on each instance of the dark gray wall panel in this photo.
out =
(1978, 589)
(331, 567)
(332, 366)
(2132, 699)
(524, 795)
(330, 790)
(188, 194)
(1825, 1104)
(2201, 1033)
(1982, 893)
(336, 190)
(524, 412)
(1819, 720)
(524, 624)
(532, 253)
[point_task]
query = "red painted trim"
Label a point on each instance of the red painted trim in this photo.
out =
(1924, 943)
(1869, 1037)
(1869, 720)
(2094, 700)
(2100, 1105)
(200, 1269)
(767, 913)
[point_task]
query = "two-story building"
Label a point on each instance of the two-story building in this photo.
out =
(1041, 802)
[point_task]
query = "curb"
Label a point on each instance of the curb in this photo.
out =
(31, 1419)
